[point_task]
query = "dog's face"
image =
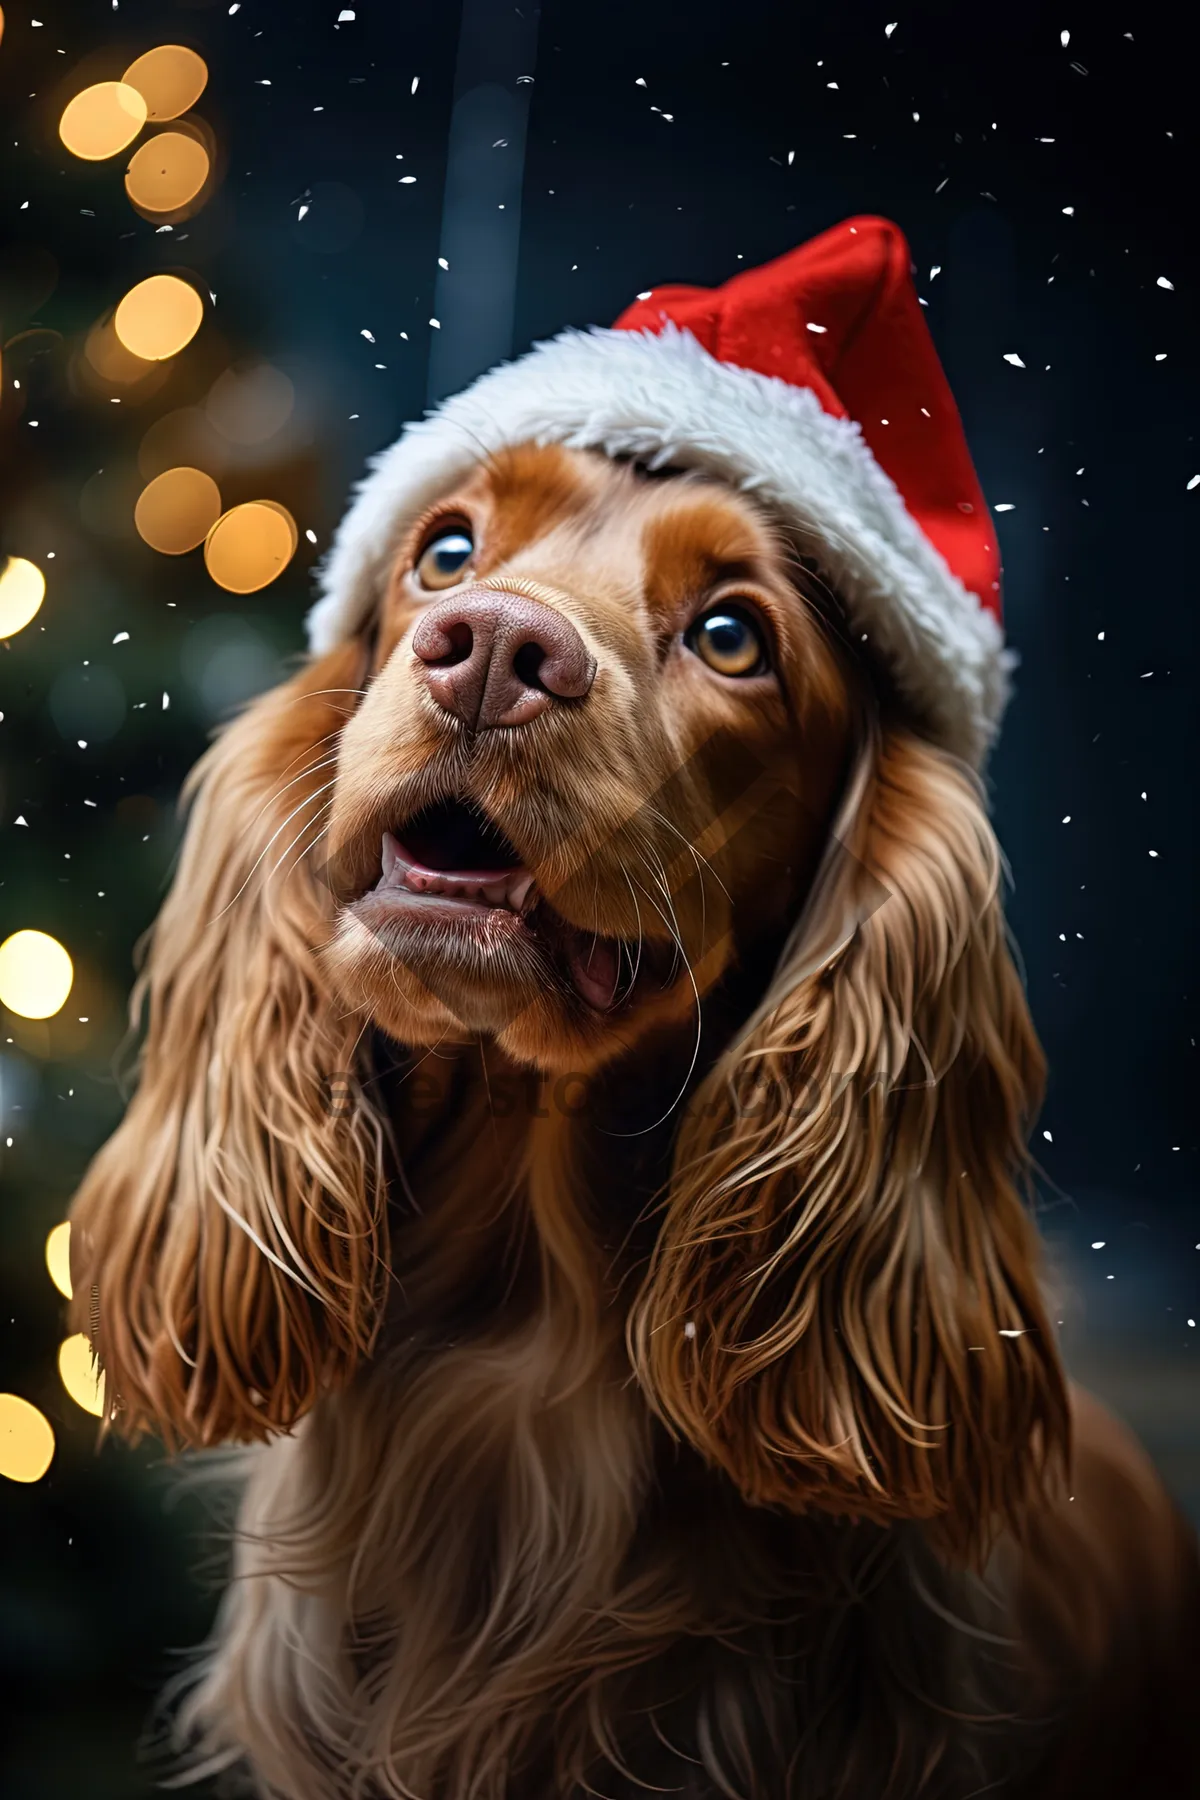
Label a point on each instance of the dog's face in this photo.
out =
(583, 761)
(602, 731)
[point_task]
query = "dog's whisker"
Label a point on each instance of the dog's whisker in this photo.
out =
(307, 801)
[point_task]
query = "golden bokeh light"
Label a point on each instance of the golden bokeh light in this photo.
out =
(177, 510)
(79, 1374)
(170, 79)
(102, 120)
(292, 528)
(111, 360)
(22, 590)
(167, 172)
(158, 317)
(35, 974)
(26, 1440)
(58, 1257)
(250, 545)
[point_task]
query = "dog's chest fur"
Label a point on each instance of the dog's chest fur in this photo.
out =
(484, 1573)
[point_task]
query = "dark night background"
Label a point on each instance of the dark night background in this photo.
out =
(738, 146)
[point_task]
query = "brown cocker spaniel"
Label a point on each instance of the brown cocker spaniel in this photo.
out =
(580, 1152)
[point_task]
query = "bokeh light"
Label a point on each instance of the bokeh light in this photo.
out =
(111, 360)
(167, 172)
(292, 528)
(22, 590)
(35, 974)
(102, 120)
(226, 661)
(250, 404)
(79, 1374)
(183, 438)
(58, 1257)
(169, 78)
(87, 703)
(158, 317)
(177, 510)
(26, 1440)
(250, 545)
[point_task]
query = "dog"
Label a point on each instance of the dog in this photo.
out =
(580, 1155)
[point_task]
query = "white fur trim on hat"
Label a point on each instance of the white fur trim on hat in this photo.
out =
(661, 397)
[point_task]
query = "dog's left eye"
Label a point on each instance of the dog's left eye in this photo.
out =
(729, 641)
(444, 559)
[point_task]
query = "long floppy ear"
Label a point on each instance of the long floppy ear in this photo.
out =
(842, 1310)
(227, 1243)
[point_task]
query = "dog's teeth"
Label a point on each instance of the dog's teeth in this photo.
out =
(518, 891)
(391, 851)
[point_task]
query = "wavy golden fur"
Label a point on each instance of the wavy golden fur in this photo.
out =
(627, 1296)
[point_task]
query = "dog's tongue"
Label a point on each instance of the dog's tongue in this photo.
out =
(595, 969)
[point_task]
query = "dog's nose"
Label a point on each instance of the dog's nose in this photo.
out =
(499, 659)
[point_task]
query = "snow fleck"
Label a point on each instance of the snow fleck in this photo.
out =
(1047, 1137)
(1164, 283)
(436, 323)
(369, 335)
(443, 264)
(1194, 482)
(1066, 818)
(821, 328)
(1154, 853)
(888, 29)
(646, 295)
(1070, 213)
(1099, 637)
(301, 214)
(1010, 356)
(407, 180)
(1064, 38)
(413, 88)
(122, 637)
(311, 535)
(1013, 1331)
(639, 81)
(1004, 506)
(935, 271)
(345, 16)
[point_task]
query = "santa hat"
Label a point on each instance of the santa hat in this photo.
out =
(812, 384)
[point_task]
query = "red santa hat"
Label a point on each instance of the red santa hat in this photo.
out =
(813, 385)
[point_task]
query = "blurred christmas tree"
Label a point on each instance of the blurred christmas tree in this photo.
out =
(165, 489)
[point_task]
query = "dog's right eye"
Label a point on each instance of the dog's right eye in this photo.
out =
(444, 560)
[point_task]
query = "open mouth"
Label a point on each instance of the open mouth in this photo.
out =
(451, 864)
